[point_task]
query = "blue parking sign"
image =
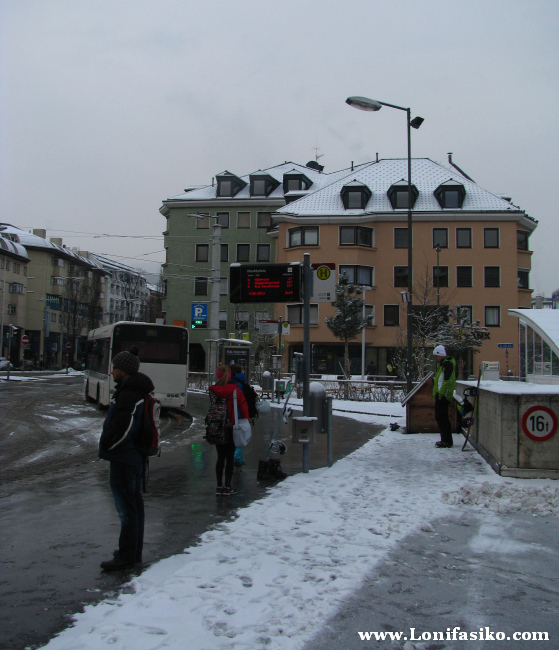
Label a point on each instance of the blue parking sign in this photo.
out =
(199, 311)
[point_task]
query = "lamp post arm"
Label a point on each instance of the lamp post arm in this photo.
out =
(400, 108)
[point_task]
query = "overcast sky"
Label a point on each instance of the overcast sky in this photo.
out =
(108, 107)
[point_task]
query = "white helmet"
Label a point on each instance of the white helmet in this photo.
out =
(439, 351)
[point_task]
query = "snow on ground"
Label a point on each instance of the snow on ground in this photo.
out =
(275, 574)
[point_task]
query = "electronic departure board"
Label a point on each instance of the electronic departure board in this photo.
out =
(265, 283)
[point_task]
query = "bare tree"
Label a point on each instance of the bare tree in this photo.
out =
(428, 316)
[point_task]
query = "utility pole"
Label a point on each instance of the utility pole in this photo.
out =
(213, 315)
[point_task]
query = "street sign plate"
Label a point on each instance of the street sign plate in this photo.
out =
(24, 340)
(199, 311)
(268, 326)
(539, 423)
(324, 282)
(68, 346)
(505, 345)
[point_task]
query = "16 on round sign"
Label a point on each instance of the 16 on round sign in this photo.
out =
(539, 423)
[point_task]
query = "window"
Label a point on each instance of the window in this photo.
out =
(243, 252)
(16, 268)
(400, 276)
(200, 286)
(203, 223)
(440, 236)
(57, 281)
(222, 320)
(222, 219)
(258, 187)
(222, 286)
(491, 238)
(241, 320)
(264, 220)
(304, 236)
(294, 181)
(440, 276)
(492, 316)
(53, 317)
(57, 261)
(466, 312)
(370, 315)
(356, 236)
(522, 240)
(464, 276)
(450, 194)
(262, 252)
(262, 184)
(463, 237)
(523, 278)
(355, 196)
(12, 310)
(400, 237)
(492, 276)
(243, 219)
(202, 252)
(295, 314)
(362, 275)
(229, 185)
(391, 315)
(53, 301)
(398, 195)
(224, 252)
(16, 287)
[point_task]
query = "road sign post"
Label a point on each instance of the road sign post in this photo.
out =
(506, 346)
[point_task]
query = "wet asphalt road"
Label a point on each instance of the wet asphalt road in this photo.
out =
(57, 517)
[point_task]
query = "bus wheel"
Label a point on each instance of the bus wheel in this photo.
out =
(87, 395)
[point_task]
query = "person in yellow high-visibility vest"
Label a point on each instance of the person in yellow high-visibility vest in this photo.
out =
(443, 391)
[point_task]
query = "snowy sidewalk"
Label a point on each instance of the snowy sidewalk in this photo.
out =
(273, 576)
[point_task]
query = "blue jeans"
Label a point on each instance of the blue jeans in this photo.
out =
(126, 486)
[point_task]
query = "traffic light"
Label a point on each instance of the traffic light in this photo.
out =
(13, 329)
(199, 324)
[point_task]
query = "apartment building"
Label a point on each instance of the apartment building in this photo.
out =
(359, 223)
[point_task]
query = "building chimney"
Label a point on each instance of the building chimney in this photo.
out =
(538, 302)
(56, 240)
(40, 233)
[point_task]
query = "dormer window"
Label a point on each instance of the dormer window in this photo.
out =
(262, 184)
(355, 195)
(450, 194)
(294, 181)
(228, 185)
(398, 195)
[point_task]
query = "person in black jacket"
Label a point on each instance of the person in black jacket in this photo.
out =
(126, 463)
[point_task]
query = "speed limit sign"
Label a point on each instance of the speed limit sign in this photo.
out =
(539, 423)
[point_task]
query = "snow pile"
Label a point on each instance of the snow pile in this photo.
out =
(507, 497)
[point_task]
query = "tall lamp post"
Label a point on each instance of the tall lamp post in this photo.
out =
(366, 104)
(438, 249)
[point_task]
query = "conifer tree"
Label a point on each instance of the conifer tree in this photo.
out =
(348, 320)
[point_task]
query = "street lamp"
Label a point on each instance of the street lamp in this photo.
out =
(366, 104)
(438, 249)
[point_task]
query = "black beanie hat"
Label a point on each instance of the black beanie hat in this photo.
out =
(128, 362)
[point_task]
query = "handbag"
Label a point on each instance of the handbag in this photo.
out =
(242, 432)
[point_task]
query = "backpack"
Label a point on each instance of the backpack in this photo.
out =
(217, 421)
(251, 397)
(147, 436)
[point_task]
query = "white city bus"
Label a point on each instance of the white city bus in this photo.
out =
(163, 357)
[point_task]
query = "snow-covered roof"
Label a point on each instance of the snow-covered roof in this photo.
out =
(544, 321)
(379, 176)
(31, 241)
(319, 180)
(109, 264)
(13, 248)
